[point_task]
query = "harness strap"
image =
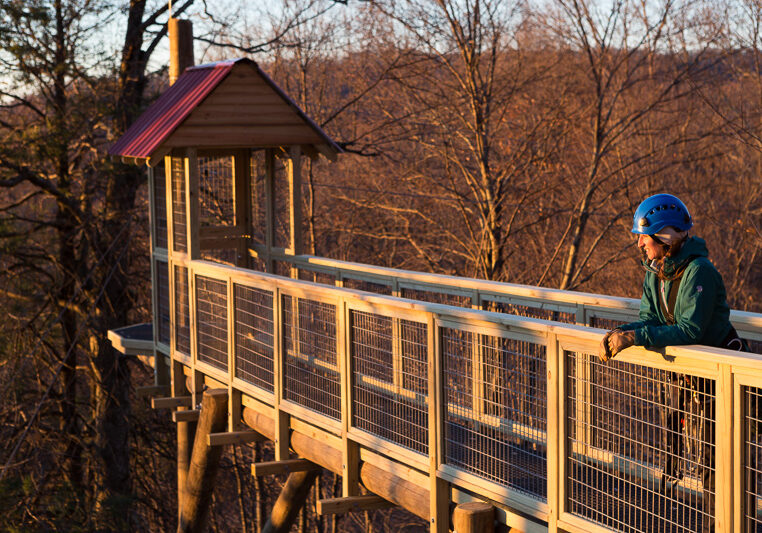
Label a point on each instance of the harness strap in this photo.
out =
(668, 306)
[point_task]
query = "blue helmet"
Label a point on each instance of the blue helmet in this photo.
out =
(659, 211)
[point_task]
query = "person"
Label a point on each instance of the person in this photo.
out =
(683, 302)
(683, 299)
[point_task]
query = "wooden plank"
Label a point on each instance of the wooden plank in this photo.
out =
(186, 416)
(235, 437)
(350, 504)
(171, 402)
(234, 135)
(229, 116)
(285, 466)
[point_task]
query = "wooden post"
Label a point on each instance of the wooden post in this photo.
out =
(204, 462)
(180, 47)
(290, 501)
(295, 199)
(185, 433)
(473, 517)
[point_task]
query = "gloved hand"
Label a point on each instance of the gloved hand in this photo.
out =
(619, 340)
(604, 352)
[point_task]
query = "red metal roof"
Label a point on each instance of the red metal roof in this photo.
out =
(163, 116)
(158, 122)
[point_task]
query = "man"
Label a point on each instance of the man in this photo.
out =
(683, 302)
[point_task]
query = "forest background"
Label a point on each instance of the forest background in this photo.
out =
(501, 139)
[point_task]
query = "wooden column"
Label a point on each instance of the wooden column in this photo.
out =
(185, 433)
(180, 47)
(290, 501)
(473, 517)
(295, 199)
(204, 462)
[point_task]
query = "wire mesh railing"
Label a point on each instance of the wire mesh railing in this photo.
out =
(642, 446)
(254, 336)
(310, 358)
(523, 411)
(212, 321)
(389, 374)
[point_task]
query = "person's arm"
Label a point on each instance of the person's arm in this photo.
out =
(694, 309)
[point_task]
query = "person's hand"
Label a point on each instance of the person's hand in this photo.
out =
(604, 352)
(618, 340)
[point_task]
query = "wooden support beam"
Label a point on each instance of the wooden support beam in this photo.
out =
(473, 517)
(152, 390)
(290, 501)
(286, 466)
(367, 502)
(204, 462)
(403, 493)
(172, 402)
(378, 481)
(235, 437)
(186, 416)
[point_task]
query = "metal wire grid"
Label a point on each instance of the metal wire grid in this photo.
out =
(640, 447)
(179, 229)
(225, 256)
(456, 300)
(216, 191)
(605, 323)
(389, 388)
(317, 277)
(162, 295)
(367, 286)
(212, 321)
(254, 336)
(160, 206)
(752, 459)
(495, 422)
(310, 359)
(182, 311)
(528, 311)
(258, 201)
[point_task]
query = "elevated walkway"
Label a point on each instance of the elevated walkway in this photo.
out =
(452, 403)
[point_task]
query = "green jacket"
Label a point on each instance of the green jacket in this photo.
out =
(701, 312)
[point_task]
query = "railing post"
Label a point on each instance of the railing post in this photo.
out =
(281, 418)
(723, 445)
(552, 427)
(439, 496)
(350, 451)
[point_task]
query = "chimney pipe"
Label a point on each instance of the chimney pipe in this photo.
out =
(180, 47)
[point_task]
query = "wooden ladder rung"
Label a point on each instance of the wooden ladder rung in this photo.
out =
(286, 466)
(367, 502)
(186, 416)
(235, 437)
(172, 402)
